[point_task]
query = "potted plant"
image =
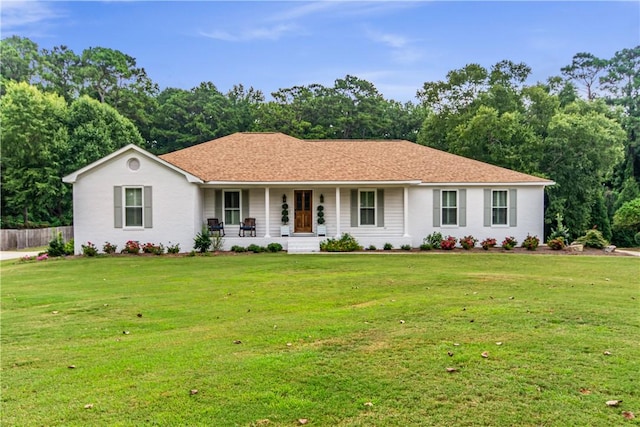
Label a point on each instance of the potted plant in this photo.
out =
(284, 228)
(321, 229)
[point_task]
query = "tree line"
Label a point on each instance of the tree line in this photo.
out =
(61, 110)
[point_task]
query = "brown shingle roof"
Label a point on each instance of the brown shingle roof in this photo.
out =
(276, 157)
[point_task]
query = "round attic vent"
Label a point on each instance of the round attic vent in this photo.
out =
(133, 164)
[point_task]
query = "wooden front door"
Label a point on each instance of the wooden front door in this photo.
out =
(302, 211)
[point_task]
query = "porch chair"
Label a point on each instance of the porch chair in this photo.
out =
(215, 225)
(249, 224)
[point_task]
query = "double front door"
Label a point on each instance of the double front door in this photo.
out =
(303, 216)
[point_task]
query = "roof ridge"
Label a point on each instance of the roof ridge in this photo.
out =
(360, 158)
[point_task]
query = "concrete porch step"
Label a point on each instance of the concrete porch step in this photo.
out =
(301, 245)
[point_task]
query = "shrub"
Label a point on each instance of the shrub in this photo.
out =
(191, 254)
(89, 249)
(158, 249)
(448, 243)
(131, 247)
(434, 239)
(636, 239)
(238, 249)
(387, 246)
(372, 247)
(531, 242)
(509, 243)
(217, 242)
(487, 243)
(173, 249)
(593, 239)
(560, 230)
(148, 248)
(255, 248)
(108, 248)
(56, 246)
(556, 244)
(426, 247)
(468, 242)
(274, 247)
(405, 247)
(346, 243)
(69, 247)
(202, 241)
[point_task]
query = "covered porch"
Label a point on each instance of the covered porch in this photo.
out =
(304, 215)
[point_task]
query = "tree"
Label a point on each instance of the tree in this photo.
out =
(585, 68)
(34, 144)
(581, 149)
(60, 72)
(20, 59)
(96, 130)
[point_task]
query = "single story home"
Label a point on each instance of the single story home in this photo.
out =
(383, 191)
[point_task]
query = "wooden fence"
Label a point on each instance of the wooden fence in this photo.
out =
(31, 238)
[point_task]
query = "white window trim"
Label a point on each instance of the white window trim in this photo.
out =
(375, 206)
(506, 224)
(443, 207)
(224, 205)
(124, 207)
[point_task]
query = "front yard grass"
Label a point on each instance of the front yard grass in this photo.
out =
(339, 340)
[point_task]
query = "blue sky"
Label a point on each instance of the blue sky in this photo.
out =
(270, 45)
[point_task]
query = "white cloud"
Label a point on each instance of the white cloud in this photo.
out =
(264, 33)
(25, 14)
(401, 47)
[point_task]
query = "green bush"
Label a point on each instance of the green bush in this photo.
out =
(426, 247)
(57, 246)
(346, 243)
(89, 249)
(509, 243)
(256, 249)
(69, 247)
(372, 247)
(274, 247)
(434, 239)
(531, 242)
(202, 241)
(387, 246)
(238, 249)
(173, 249)
(593, 239)
(556, 244)
(560, 230)
(405, 247)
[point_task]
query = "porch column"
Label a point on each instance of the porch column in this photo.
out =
(338, 212)
(406, 212)
(266, 211)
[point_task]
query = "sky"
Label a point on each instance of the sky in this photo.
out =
(269, 45)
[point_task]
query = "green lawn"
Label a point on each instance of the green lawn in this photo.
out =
(340, 340)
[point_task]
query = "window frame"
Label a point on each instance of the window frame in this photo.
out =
(446, 208)
(125, 207)
(373, 208)
(226, 209)
(504, 207)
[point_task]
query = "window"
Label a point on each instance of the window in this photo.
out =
(367, 207)
(133, 207)
(450, 207)
(499, 207)
(232, 207)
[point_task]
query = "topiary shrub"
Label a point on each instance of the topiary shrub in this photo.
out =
(593, 239)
